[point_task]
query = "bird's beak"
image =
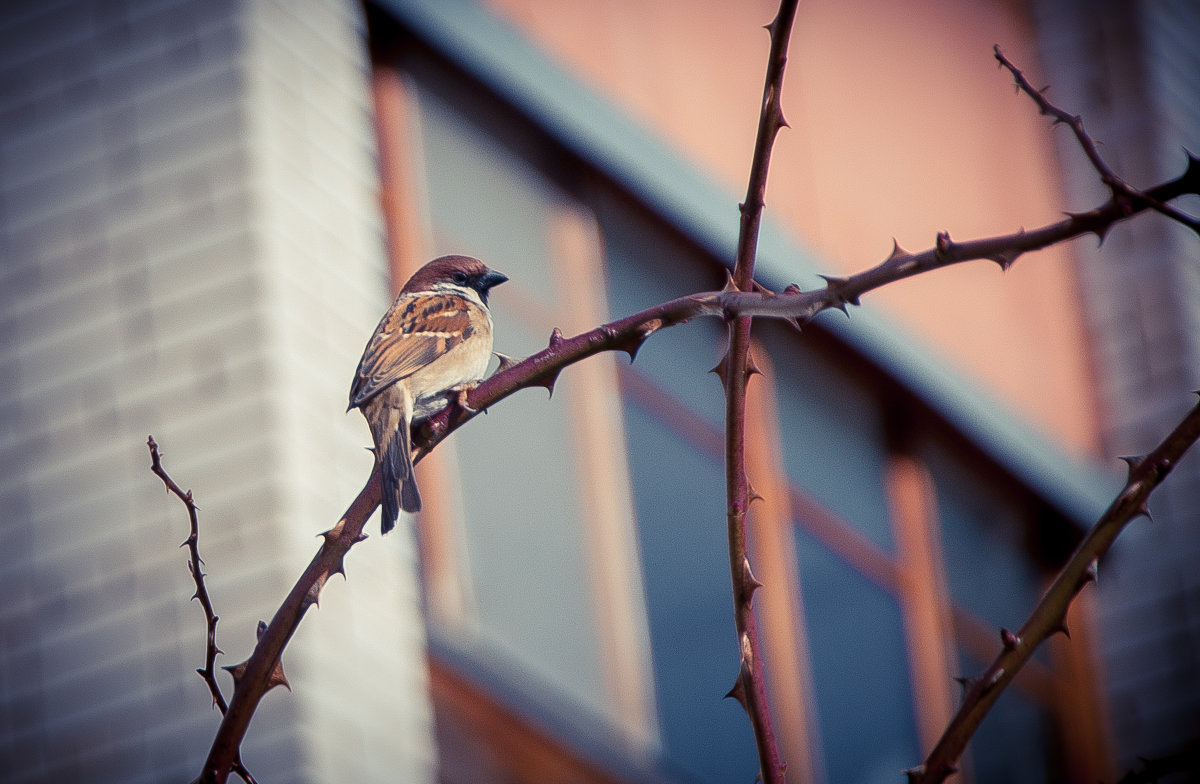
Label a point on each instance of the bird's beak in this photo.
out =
(492, 278)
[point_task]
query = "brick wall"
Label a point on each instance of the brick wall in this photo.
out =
(1133, 71)
(190, 247)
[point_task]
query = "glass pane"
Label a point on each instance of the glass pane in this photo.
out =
(528, 568)
(524, 556)
(859, 670)
(832, 436)
(680, 500)
(989, 569)
(678, 358)
(484, 201)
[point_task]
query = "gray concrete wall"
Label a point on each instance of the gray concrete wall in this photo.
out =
(190, 246)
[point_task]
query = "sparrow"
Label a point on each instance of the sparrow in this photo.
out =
(433, 343)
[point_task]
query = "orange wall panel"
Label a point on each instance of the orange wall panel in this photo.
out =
(902, 126)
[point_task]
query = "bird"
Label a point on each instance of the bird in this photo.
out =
(433, 344)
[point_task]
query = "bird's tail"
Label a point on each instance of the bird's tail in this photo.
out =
(399, 481)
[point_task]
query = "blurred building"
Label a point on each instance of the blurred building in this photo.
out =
(204, 209)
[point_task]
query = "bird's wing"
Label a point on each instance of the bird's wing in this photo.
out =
(416, 331)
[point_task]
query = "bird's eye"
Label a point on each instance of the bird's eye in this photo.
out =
(460, 278)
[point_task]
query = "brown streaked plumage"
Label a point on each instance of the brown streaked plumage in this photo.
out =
(434, 341)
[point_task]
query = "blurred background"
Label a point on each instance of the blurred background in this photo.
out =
(206, 205)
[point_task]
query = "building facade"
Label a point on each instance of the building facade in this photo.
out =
(206, 206)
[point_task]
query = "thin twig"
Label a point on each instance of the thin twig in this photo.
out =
(262, 671)
(1117, 185)
(195, 565)
(1049, 617)
(735, 370)
(801, 306)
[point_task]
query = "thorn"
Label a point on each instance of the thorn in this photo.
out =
(506, 362)
(277, 677)
(1009, 639)
(313, 597)
(1006, 258)
(752, 495)
(1101, 231)
(749, 579)
(237, 671)
(780, 120)
(1144, 511)
(914, 773)
(836, 286)
(1133, 462)
(794, 289)
(738, 692)
(1063, 630)
(548, 381)
(897, 251)
(556, 338)
(729, 284)
(752, 368)
(1191, 174)
(967, 683)
(722, 369)
(634, 343)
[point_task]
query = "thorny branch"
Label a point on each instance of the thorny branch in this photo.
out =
(1049, 617)
(742, 299)
(263, 671)
(1120, 189)
(735, 370)
(800, 307)
(195, 565)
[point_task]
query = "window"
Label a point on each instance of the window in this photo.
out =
(574, 551)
